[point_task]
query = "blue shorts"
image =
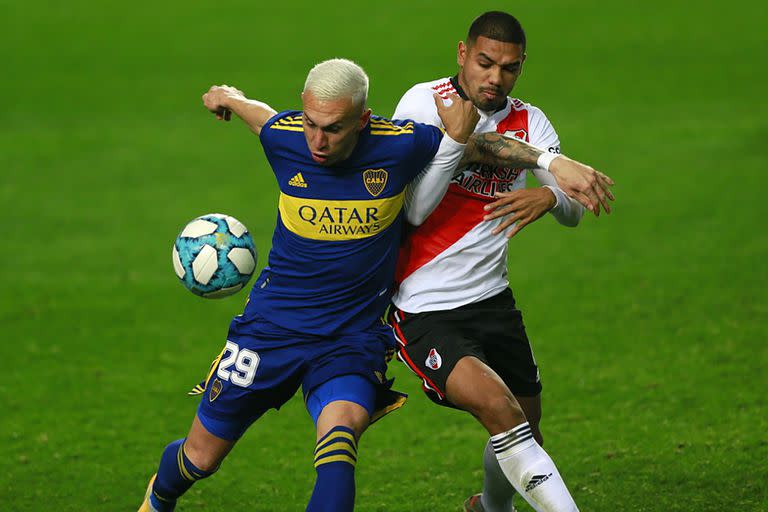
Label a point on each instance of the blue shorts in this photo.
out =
(263, 365)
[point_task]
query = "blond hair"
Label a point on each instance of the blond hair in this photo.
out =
(337, 79)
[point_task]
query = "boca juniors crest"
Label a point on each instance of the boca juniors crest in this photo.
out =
(375, 180)
(215, 390)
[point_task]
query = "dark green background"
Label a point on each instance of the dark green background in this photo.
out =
(649, 325)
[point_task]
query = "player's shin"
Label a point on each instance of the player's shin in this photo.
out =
(531, 471)
(335, 459)
(175, 476)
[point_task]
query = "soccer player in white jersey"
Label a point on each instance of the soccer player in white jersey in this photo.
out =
(454, 316)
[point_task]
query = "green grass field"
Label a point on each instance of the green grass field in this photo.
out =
(650, 325)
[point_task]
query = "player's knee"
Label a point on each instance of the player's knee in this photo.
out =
(202, 458)
(343, 414)
(500, 412)
(536, 431)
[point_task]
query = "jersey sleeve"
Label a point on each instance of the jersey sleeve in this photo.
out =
(428, 188)
(418, 104)
(567, 210)
(424, 145)
(542, 133)
(270, 136)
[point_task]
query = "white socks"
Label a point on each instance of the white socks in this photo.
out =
(497, 491)
(530, 470)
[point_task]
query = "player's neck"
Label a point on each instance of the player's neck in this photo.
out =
(460, 85)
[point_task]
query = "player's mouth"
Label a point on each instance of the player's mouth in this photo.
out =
(319, 157)
(490, 94)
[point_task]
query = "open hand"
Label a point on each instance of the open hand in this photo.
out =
(583, 183)
(521, 207)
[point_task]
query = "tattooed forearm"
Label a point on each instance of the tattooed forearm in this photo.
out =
(496, 149)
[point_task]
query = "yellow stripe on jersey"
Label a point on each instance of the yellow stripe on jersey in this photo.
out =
(214, 366)
(389, 124)
(381, 127)
(377, 126)
(391, 132)
(329, 220)
(289, 128)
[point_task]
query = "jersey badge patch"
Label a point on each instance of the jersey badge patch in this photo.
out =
(215, 390)
(517, 134)
(375, 180)
(434, 361)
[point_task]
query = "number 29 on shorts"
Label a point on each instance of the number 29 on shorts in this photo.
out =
(246, 362)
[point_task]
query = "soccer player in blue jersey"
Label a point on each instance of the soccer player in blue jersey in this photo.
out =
(313, 316)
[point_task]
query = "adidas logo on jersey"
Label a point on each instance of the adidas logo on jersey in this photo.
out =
(298, 181)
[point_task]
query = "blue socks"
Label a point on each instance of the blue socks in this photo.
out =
(175, 476)
(335, 459)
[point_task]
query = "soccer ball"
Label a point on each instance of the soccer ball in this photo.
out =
(214, 256)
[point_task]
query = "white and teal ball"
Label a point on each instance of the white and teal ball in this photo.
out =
(214, 256)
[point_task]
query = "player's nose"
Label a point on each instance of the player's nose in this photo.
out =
(321, 140)
(494, 76)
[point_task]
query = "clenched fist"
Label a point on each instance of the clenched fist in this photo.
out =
(216, 100)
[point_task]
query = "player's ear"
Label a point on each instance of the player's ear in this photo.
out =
(365, 118)
(525, 56)
(461, 54)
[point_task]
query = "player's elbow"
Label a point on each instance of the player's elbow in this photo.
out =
(415, 218)
(570, 219)
(570, 222)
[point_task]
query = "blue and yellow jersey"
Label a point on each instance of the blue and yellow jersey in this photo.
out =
(338, 228)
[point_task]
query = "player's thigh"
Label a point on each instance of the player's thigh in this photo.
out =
(248, 379)
(431, 346)
(506, 346)
(346, 380)
(474, 387)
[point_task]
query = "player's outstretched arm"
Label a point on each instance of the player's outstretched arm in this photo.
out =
(429, 187)
(588, 186)
(222, 100)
